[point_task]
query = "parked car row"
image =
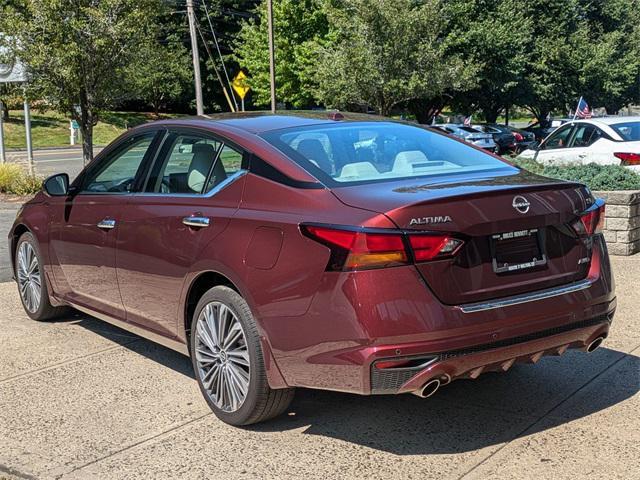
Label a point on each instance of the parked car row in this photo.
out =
(605, 141)
(491, 136)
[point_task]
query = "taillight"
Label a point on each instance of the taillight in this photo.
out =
(430, 247)
(519, 137)
(359, 249)
(628, 158)
(591, 222)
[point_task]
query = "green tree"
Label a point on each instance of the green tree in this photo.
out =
(610, 60)
(78, 52)
(495, 36)
(384, 53)
(160, 72)
(298, 26)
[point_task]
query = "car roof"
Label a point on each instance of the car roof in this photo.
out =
(609, 120)
(257, 122)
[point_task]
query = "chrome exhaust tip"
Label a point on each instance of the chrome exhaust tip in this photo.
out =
(429, 389)
(593, 346)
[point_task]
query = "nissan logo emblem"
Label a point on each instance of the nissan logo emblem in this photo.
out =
(521, 204)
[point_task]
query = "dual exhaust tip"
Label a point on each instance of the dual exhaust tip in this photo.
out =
(431, 387)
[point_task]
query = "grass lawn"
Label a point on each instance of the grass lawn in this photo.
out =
(51, 129)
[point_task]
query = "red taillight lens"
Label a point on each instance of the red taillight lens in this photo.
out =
(628, 158)
(430, 247)
(519, 137)
(354, 249)
(591, 222)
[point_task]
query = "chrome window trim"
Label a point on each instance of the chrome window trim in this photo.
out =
(209, 194)
(526, 297)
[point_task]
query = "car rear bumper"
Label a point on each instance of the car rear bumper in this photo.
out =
(359, 318)
(499, 356)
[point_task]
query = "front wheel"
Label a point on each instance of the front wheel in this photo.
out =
(228, 361)
(31, 282)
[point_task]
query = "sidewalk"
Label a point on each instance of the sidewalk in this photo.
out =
(80, 399)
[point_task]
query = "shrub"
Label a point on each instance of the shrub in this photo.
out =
(13, 179)
(596, 177)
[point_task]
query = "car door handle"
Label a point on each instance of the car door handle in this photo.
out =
(198, 222)
(107, 224)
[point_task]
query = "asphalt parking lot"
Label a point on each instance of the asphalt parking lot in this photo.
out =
(80, 399)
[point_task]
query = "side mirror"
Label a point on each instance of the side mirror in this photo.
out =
(57, 185)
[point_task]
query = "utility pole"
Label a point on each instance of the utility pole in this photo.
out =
(272, 66)
(196, 58)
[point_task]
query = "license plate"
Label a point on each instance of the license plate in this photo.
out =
(518, 250)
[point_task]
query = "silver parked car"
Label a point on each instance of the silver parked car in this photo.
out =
(471, 135)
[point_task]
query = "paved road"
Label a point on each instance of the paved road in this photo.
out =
(48, 162)
(83, 400)
(7, 215)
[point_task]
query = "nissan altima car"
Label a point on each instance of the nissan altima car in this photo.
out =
(342, 252)
(604, 141)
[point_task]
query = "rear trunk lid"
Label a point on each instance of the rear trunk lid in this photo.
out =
(516, 230)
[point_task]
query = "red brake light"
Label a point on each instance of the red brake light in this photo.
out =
(519, 137)
(356, 249)
(592, 221)
(628, 158)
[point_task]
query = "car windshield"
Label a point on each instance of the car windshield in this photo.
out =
(360, 152)
(630, 131)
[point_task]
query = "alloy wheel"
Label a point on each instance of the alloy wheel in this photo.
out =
(222, 356)
(29, 277)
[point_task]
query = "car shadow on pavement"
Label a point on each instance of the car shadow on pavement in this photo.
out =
(464, 416)
(468, 414)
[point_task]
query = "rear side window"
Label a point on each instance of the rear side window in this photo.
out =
(629, 132)
(192, 164)
(585, 136)
(349, 153)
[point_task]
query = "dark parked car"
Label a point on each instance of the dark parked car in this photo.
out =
(508, 139)
(471, 135)
(371, 257)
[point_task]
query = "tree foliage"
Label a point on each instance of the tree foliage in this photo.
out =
(78, 52)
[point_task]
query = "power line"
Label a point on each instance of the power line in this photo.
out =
(215, 39)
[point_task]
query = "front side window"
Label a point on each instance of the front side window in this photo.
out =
(558, 139)
(118, 171)
(347, 153)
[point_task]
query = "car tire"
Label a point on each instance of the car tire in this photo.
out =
(230, 371)
(31, 281)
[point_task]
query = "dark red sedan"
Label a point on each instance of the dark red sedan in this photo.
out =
(352, 254)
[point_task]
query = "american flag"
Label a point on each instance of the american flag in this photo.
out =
(582, 110)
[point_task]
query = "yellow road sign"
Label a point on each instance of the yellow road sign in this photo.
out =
(239, 84)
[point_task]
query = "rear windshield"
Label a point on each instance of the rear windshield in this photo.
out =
(630, 131)
(347, 153)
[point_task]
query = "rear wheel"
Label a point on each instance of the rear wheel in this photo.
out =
(228, 361)
(31, 282)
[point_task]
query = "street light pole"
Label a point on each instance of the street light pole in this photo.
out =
(272, 66)
(196, 57)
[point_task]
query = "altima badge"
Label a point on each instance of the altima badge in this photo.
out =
(430, 220)
(521, 204)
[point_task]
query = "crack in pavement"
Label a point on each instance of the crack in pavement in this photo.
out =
(66, 362)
